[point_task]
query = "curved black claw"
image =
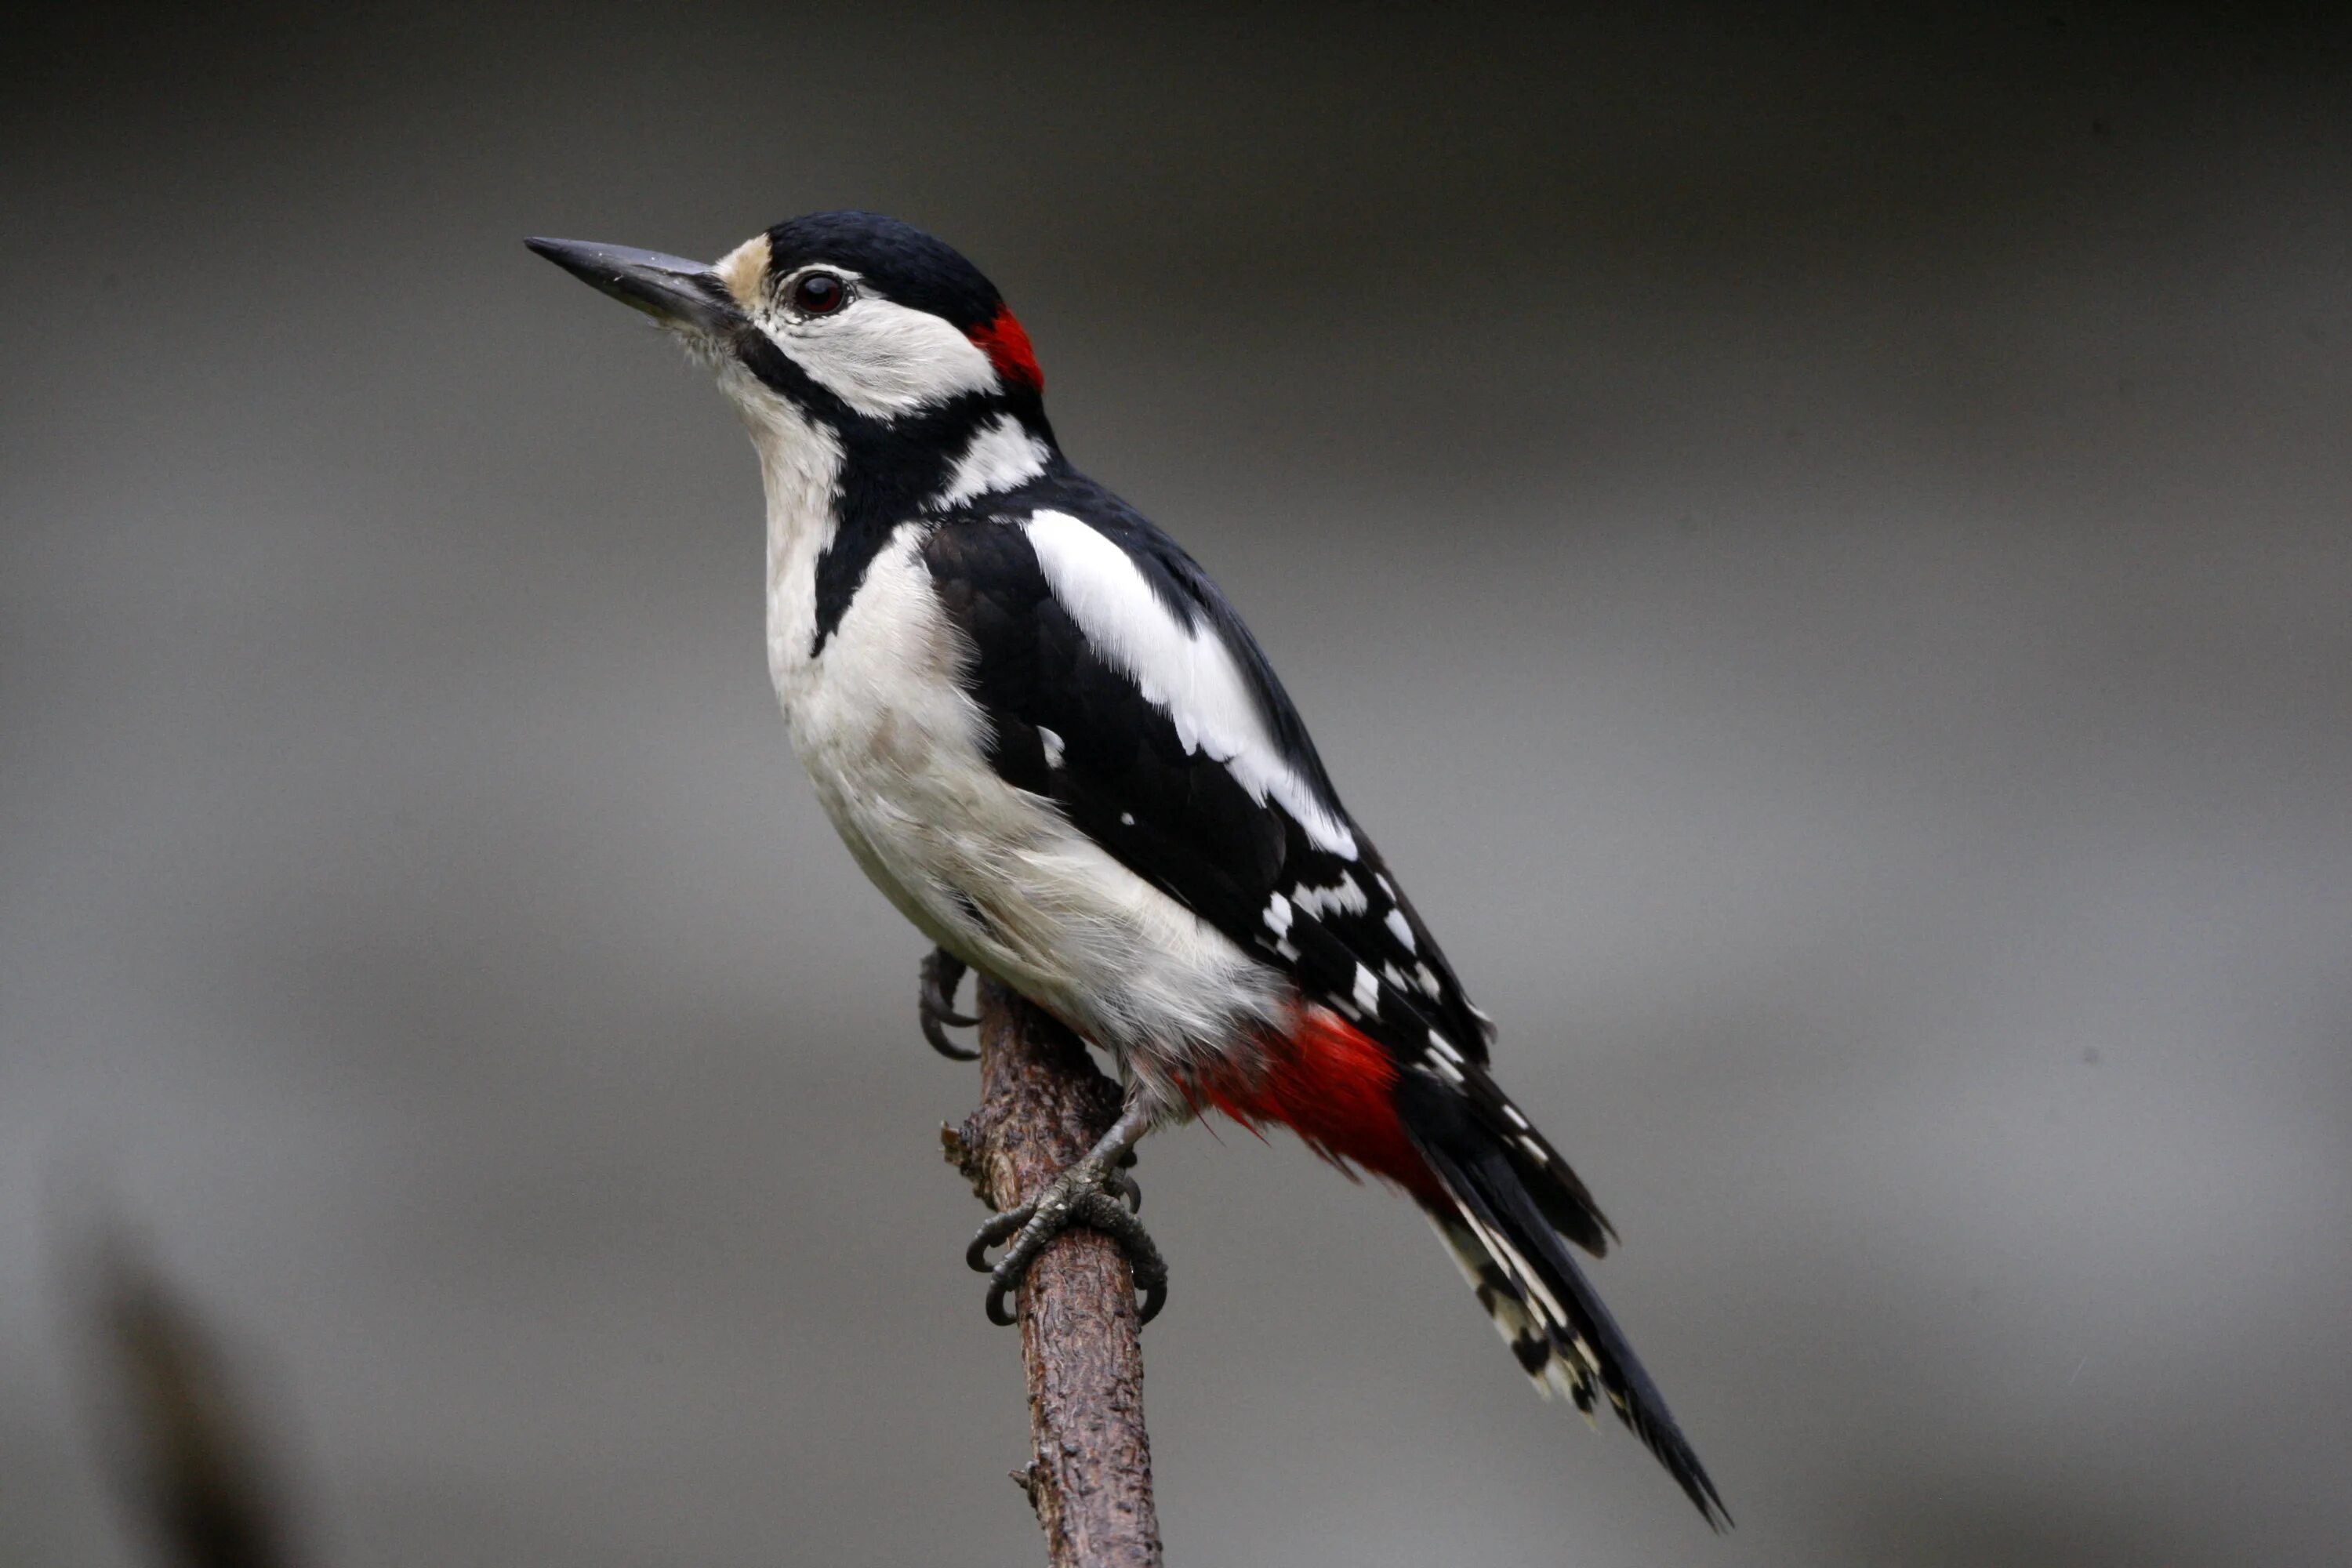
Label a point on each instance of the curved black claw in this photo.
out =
(942, 973)
(1069, 1202)
(1126, 1186)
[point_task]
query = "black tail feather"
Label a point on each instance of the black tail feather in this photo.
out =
(1547, 1310)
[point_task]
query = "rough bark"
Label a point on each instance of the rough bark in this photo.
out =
(1043, 1105)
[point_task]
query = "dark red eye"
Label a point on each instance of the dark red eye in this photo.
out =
(818, 293)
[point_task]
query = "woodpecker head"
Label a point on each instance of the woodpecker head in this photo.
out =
(846, 329)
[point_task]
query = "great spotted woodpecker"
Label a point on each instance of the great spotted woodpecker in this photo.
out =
(1052, 744)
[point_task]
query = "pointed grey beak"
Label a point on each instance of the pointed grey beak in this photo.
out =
(670, 289)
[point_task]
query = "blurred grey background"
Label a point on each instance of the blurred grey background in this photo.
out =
(1820, 546)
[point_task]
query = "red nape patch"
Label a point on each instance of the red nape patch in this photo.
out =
(1007, 348)
(1331, 1084)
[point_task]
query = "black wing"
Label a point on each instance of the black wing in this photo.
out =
(1071, 725)
(1068, 723)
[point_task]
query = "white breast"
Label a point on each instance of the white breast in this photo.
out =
(896, 750)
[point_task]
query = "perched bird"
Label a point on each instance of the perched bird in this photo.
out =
(1050, 741)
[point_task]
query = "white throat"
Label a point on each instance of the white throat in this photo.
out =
(800, 469)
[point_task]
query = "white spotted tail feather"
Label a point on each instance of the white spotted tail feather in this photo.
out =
(1505, 1199)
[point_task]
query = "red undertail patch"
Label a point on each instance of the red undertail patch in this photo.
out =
(1331, 1084)
(1006, 344)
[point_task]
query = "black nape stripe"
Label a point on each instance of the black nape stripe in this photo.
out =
(891, 472)
(891, 469)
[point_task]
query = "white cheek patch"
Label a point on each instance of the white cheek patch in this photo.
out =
(885, 359)
(1002, 455)
(1187, 671)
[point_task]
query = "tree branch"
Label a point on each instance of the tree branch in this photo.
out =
(1043, 1105)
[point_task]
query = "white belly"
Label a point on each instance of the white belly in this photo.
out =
(995, 874)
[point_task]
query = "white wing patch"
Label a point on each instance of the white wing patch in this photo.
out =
(1001, 456)
(1188, 672)
(1344, 897)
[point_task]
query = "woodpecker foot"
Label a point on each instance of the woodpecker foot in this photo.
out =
(1088, 1193)
(942, 973)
